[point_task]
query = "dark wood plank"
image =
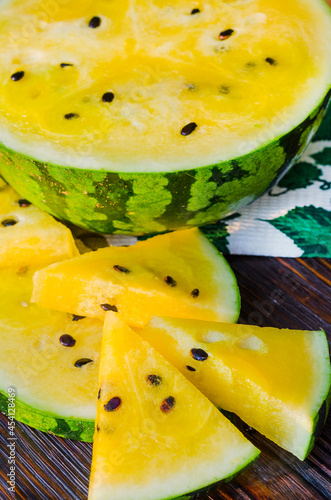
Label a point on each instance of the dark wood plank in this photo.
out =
(293, 293)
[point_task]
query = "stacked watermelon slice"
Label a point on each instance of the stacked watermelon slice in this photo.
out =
(171, 355)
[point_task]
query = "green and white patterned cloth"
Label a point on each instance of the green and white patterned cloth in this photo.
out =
(293, 220)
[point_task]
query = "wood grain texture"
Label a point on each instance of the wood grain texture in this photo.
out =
(293, 293)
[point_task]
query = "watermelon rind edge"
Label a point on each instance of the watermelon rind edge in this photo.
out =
(73, 428)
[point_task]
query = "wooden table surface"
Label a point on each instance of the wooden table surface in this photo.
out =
(292, 293)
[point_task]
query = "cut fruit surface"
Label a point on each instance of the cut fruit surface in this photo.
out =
(126, 88)
(157, 437)
(277, 381)
(29, 235)
(178, 274)
(44, 357)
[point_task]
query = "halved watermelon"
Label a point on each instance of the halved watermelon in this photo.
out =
(51, 358)
(157, 437)
(178, 274)
(29, 235)
(277, 381)
(138, 117)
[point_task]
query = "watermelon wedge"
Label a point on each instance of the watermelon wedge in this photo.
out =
(277, 381)
(157, 437)
(178, 274)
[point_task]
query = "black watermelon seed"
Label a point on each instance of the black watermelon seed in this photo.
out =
(8, 222)
(99, 393)
(113, 404)
(224, 35)
(95, 22)
(67, 340)
(189, 128)
(199, 354)
(322, 414)
(83, 361)
(108, 97)
(195, 293)
(71, 116)
(98, 427)
(108, 307)
(271, 61)
(24, 203)
(17, 76)
(190, 368)
(154, 380)
(168, 404)
(170, 281)
(64, 65)
(75, 317)
(121, 269)
(195, 11)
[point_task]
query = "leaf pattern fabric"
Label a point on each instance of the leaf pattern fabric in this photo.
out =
(294, 218)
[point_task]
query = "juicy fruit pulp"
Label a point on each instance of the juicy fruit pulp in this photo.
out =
(53, 394)
(277, 381)
(177, 274)
(28, 235)
(39, 347)
(156, 435)
(58, 76)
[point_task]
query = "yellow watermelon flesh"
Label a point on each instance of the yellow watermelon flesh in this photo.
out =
(28, 235)
(246, 72)
(157, 437)
(277, 381)
(50, 358)
(177, 274)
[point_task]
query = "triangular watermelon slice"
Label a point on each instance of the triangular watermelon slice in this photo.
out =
(277, 381)
(177, 274)
(157, 437)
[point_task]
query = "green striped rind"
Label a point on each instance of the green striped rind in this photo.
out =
(320, 418)
(70, 428)
(323, 407)
(319, 423)
(142, 203)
